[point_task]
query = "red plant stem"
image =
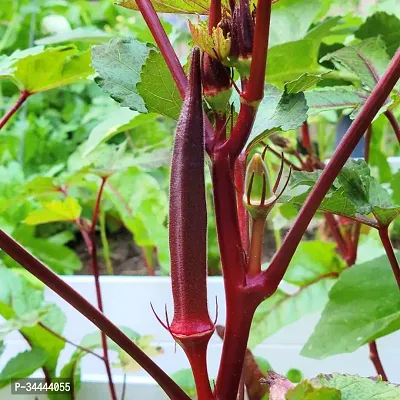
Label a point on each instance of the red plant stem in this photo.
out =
(226, 216)
(238, 321)
(280, 262)
(254, 91)
(374, 356)
(90, 240)
(243, 215)
(257, 236)
(355, 241)
(97, 205)
(51, 280)
(334, 228)
(163, 43)
(70, 342)
(305, 135)
(198, 362)
(21, 100)
(387, 244)
(395, 124)
(255, 88)
(215, 15)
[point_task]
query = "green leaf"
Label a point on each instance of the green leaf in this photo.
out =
(367, 59)
(384, 25)
(283, 309)
(48, 69)
(335, 98)
(157, 87)
(355, 387)
(311, 261)
(305, 391)
(18, 298)
(306, 60)
(277, 112)
(119, 64)
(22, 365)
(184, 378)
(120, 120)
(354, 192)
(292, 22)
(81, 34)
(128, 364)
(303, 82)
(26, 320)
(363, 305)
(176, 6)
(58, 257)
(91, 341)
(55, 211)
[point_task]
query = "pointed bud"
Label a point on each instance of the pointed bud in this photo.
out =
(259, 197)
(217, 87)
(242, 38)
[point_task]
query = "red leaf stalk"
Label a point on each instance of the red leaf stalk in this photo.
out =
(191, 325)
(270, 278)
(71, 296)
(395, 124)
(21, 100)
(387, 244)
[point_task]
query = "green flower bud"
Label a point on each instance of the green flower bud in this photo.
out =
(259, 197)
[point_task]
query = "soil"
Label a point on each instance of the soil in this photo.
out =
(126, 256)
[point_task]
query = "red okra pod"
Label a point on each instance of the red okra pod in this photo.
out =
(188, 216)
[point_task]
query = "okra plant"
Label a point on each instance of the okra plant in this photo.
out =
(231, 124)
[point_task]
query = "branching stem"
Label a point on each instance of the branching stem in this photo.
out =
(395, 124)
(374, 356)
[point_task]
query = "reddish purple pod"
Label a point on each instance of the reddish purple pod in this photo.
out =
(188, 215)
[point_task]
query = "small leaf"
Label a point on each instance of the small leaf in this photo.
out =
(22, 365)
(157, 87)
(305, 391)
(354, 192)
(303, 82)
(47, 69)
(363, 305)
(354, 387)
(81, 34)
(55, 211)
(119, 64)
(278, 112)
(120, 120)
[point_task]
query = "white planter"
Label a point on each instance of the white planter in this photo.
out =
(127, 302)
